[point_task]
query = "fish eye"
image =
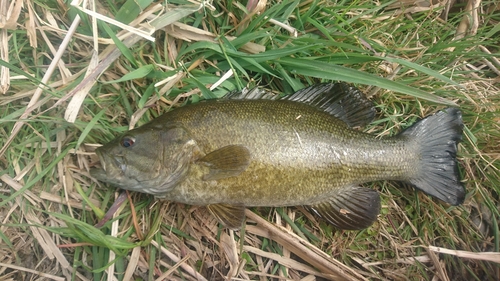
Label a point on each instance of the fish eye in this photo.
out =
(127, 142)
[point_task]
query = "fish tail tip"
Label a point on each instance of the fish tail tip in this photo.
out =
(438, 136)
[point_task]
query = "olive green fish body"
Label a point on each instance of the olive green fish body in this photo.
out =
(298, 153)
(233, 153)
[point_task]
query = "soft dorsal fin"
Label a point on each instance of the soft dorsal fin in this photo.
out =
(340, 99)
(350, 208)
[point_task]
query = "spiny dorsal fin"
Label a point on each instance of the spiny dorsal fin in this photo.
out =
(228, 161)
(232, 216)
(351, 208)
(250, 94)
(340, 99)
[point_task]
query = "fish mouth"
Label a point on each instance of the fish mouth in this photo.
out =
(109, 166)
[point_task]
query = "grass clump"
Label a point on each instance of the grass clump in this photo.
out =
(71, 81)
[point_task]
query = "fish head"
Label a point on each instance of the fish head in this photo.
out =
(150, 159)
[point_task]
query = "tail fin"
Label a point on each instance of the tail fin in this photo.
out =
(437, 136)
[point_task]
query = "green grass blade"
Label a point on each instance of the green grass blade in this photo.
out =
(131, 9)
(89, 127)
(175, 14)
(90, 234)
(119, 44)
(20, 72)
(138, 73)
(6, 240)
(98, 212)
(422, 69)
(336, 72)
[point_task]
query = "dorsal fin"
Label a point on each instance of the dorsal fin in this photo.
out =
(340, 99)
(250, 94)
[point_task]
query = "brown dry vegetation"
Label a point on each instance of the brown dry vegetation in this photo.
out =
(67, 85)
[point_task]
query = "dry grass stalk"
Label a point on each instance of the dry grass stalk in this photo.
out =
(43, 237)
(188, 33)
(4, 55)
(222, 79)
(486, 256)
(71, 202)
(76, 101)
(176, 259)
(131, 267)
(9, 14)
(470, 21)
(172, 81)
(169, 272)
(28, 194)
(139, 32)
(411, 260)
(45, 240)
(440, 270)
(290, 263)
(41, 274)
(302, 248)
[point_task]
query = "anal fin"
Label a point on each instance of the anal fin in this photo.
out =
(352, 208)
(231, 216)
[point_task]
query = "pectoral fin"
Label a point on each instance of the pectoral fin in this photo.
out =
(228, 161)
(231, 216)
(352, 208)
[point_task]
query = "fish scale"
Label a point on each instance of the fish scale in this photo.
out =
(281, 163)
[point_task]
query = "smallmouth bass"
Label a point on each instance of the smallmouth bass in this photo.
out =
(246, 150)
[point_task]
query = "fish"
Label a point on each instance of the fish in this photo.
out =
(253, 149)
